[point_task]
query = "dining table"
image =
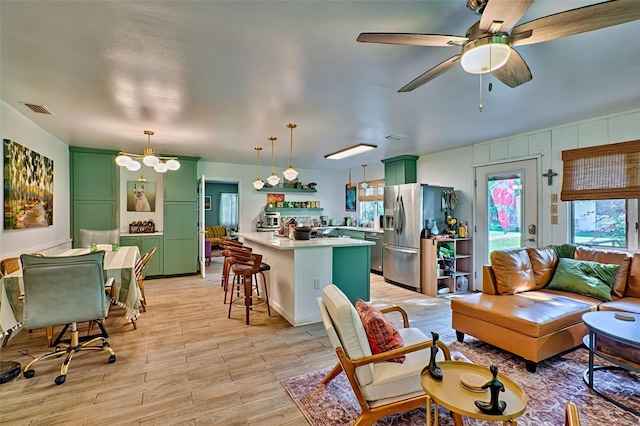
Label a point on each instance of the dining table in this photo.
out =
(119, 264)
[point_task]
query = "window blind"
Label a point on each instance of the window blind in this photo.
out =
(603, 172)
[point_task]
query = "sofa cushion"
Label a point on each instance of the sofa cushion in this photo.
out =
(533, 313)
(513, 271)
(382, 334)
(584, 277)
(626, 304)
(564, 250)
(608, 256)
(543, 262)
(633, 280)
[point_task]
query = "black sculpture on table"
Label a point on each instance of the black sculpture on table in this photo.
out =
(495, 387)
(434, 369)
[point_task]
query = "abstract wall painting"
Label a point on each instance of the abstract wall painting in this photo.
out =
(28, 187)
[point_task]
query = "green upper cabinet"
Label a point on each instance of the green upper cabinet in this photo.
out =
(400, 170)
(182, 184)
(93, 174)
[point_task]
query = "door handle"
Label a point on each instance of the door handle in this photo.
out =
(531, 240)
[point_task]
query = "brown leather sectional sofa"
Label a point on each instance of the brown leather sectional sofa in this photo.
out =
(518, 313)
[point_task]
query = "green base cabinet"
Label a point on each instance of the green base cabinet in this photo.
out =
(355, 282)
(145, 243)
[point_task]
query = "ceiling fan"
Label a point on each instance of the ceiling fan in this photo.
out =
(488, 44)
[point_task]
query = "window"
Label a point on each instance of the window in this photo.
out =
(371, 202)
(370, 211)
(229, 210)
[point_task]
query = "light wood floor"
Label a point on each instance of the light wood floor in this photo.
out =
(187, 363)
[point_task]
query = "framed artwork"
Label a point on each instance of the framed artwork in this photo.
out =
(207, 202)
(28, 187)
(350, 198)
(141, 196)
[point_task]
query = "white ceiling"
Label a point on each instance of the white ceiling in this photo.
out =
(216, 78)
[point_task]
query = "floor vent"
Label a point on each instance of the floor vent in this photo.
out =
(39, 109)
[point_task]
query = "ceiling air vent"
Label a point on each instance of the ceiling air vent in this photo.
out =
(395, 137)
(39, 109)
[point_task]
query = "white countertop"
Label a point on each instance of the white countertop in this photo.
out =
(358, 228)
(282, 243)
(141, 234)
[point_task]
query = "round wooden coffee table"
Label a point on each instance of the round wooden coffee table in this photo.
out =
(450, 394)
(621, 332)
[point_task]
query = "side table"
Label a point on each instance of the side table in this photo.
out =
(625, 333)
(450, 394)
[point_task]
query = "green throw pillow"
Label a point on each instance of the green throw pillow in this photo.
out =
(565, 250)
(584, 277)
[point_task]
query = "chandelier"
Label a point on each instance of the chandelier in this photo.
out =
(291, 173)
(258, 183)
(159, 164)
(273, 179)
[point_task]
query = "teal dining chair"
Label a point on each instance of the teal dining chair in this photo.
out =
(66, 290)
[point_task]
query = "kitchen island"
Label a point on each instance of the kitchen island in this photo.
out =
(301, 268)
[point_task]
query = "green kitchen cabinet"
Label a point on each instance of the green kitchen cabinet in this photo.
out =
(400, 170)
(93, 190)
(182, 184)
(145, 243)
(181, 219)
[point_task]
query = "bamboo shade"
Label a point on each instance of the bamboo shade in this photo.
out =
(603, 172)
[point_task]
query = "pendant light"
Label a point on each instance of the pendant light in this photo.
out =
(258, 183)
(148, 157)
(291, 173)
(273, 179)
(364, 184)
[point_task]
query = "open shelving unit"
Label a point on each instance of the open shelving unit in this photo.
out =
(459, 264)
(287, 210)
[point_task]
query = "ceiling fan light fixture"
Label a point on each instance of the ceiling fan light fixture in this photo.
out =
(485, 54)
(348, 152)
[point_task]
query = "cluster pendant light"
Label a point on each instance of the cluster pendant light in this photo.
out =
(291, 173)
(273, 179)
(258, 183)
(159, 164)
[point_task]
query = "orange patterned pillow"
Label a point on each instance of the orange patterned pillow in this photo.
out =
(382, 334)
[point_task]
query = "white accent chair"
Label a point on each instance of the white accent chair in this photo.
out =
(89, 236)
(382, 388)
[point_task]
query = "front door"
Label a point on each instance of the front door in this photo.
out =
(507, 207)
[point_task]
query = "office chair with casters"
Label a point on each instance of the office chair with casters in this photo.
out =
(66, 290)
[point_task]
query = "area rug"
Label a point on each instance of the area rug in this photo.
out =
(556, 381)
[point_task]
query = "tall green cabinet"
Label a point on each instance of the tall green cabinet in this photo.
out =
(181, 218)
(94, 190)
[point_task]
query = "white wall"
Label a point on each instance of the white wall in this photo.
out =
(456, 167)
(16, 127)
(331, 189)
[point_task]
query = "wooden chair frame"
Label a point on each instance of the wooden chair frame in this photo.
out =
(371, 414)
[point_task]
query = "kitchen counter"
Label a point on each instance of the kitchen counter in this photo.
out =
(357, 228)
(301, 268)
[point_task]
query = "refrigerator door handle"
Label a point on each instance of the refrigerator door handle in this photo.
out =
(401, 215)
(409, 251)
(395, 216)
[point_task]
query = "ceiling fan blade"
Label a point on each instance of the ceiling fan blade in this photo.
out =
(431, 74)
(515, 72)
(412, 39)
(508, 12)
(576, 21)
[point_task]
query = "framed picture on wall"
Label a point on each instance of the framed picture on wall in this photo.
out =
(350, 198)
(207, 202)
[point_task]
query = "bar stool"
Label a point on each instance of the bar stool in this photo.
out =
(232, 255)
(244, 271)
(227, 246)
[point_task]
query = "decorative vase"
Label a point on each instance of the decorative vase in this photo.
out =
(434, 228)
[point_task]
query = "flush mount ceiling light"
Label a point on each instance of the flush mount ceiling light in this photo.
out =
(273, 179)
(291, 173)
(364, 184)
(348, 152)
(159, 164)
(486, 54)
(258, 183)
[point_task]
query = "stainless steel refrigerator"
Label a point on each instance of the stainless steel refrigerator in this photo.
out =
(408, 209)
